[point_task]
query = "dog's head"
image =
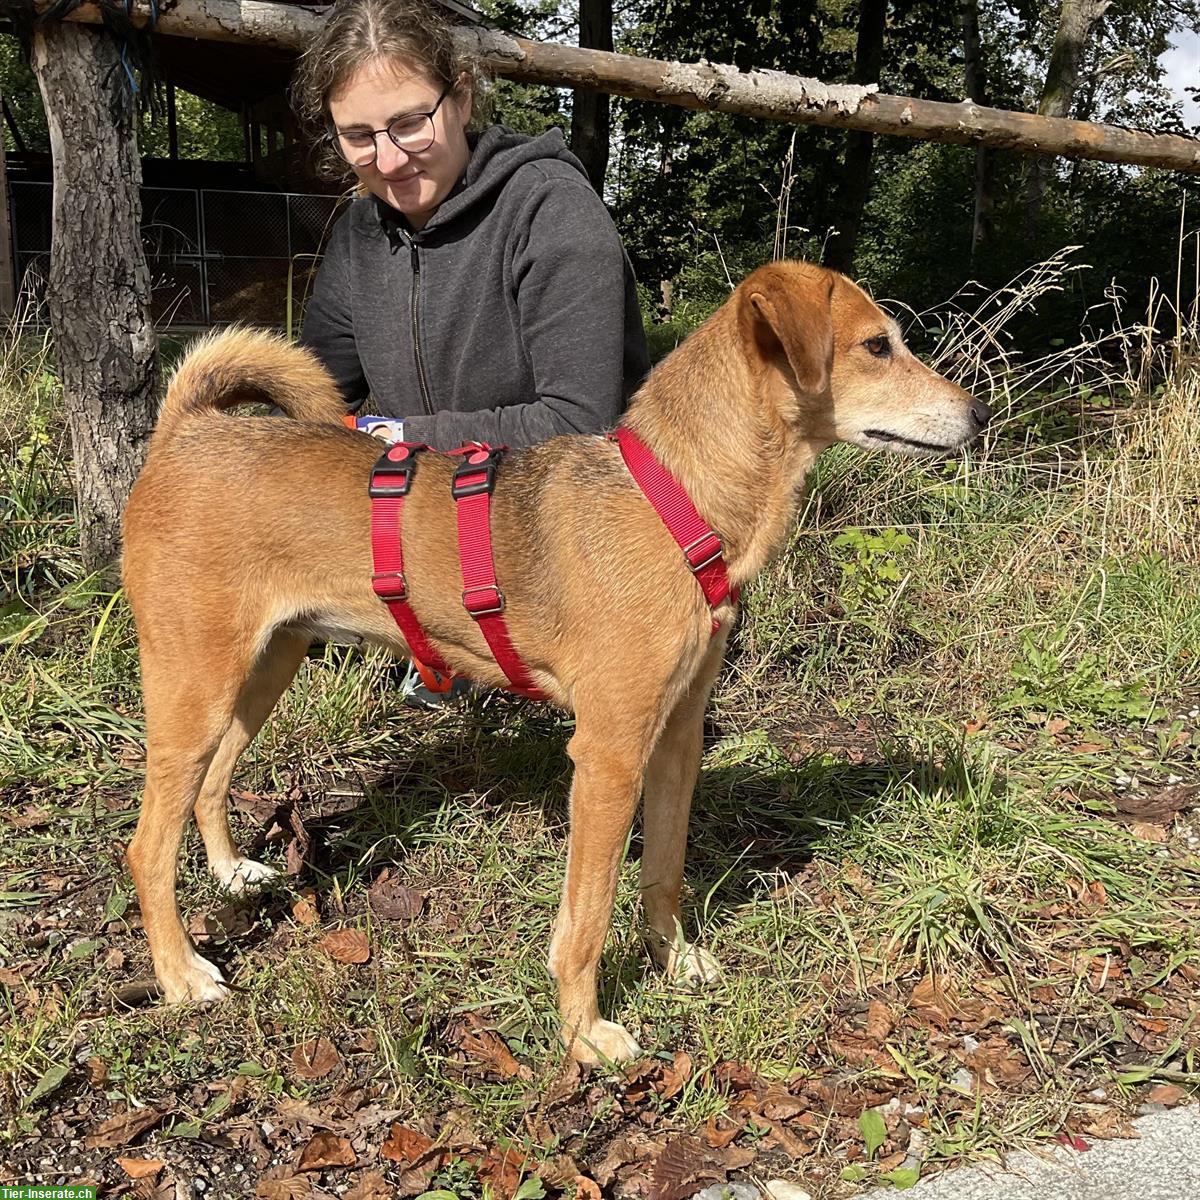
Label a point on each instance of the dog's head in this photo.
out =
(838, 369)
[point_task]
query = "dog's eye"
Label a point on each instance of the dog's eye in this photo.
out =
(880, 346)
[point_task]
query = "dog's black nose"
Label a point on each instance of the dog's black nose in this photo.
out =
(980, 413)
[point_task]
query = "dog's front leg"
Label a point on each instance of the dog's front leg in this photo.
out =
(670, 781)
(604, 795)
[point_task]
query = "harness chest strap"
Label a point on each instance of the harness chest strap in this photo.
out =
(391, 479)
(702, 548)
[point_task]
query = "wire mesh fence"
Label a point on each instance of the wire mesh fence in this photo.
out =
(214, 256)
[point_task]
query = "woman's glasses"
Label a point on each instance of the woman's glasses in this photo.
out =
(411, 133)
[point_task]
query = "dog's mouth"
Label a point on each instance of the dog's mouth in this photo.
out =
(895, 439)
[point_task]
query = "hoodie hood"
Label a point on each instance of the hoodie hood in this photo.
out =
(496, 155)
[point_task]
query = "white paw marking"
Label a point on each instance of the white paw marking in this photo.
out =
(605, 1041)
(692, 967)
(197, 982)
(238, 874)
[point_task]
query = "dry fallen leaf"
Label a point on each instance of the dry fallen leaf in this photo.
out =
(682, 1169)
(879, 1021)
(1160, 805)
(501, 1172)
(676, 1075)
(407, 1146)
(586, 1189)
(124, 1128)
(370, 1185)
(930, 1000)
(488, 1047)
(719, 1138)
(326, 1149)
(1144, 831)
(141, 1168)
(315, 1059)
(621, 1151)
(1166, 1094)
(788, 1142)
(295, 1187)
(393, 900)
(305, 911)
(347, 946)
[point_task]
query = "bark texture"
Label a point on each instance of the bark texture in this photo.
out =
(590, 109)
(1076, 24)
(98, 292)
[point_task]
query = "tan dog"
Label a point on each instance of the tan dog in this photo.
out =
(246, 539)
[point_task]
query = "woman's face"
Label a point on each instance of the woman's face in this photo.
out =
(373, 98)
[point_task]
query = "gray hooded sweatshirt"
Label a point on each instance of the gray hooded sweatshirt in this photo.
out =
(511, 317)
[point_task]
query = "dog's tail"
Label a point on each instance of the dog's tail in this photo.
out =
(249, 366)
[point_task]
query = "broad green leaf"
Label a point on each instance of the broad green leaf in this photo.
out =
(874, 1130)
(48, 1082)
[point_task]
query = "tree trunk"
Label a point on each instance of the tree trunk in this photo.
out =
(590, 109)
(860, 147)
(975, 80)
(98, 292)
(1078, 19)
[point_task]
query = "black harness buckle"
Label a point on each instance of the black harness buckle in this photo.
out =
(392, 474)
(476, 474)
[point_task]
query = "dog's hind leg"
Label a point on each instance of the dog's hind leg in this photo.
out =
(190, 697)
(275, 669)
(670, 780)
(609, 749)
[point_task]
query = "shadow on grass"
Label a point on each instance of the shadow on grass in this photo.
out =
(758, 818)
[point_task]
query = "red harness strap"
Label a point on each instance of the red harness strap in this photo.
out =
(474, 480)
(391, 479)
(482, 598)
(702, 549)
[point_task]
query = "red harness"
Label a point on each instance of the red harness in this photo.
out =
(474, 481)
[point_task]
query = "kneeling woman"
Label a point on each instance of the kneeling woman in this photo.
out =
(478, 291)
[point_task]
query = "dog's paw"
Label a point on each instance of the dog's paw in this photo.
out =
(238, 874)
(692, 967)
(685, 965)
(605, 1041)
(197, 981)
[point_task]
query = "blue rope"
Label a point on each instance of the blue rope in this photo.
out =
(133, 83)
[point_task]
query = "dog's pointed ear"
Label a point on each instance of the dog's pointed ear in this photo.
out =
(790, 314)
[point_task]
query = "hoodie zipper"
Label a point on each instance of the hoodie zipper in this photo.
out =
(415, 310)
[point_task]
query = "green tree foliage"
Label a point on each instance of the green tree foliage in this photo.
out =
(24, 100)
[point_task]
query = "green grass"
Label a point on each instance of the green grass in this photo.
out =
(931, 702)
